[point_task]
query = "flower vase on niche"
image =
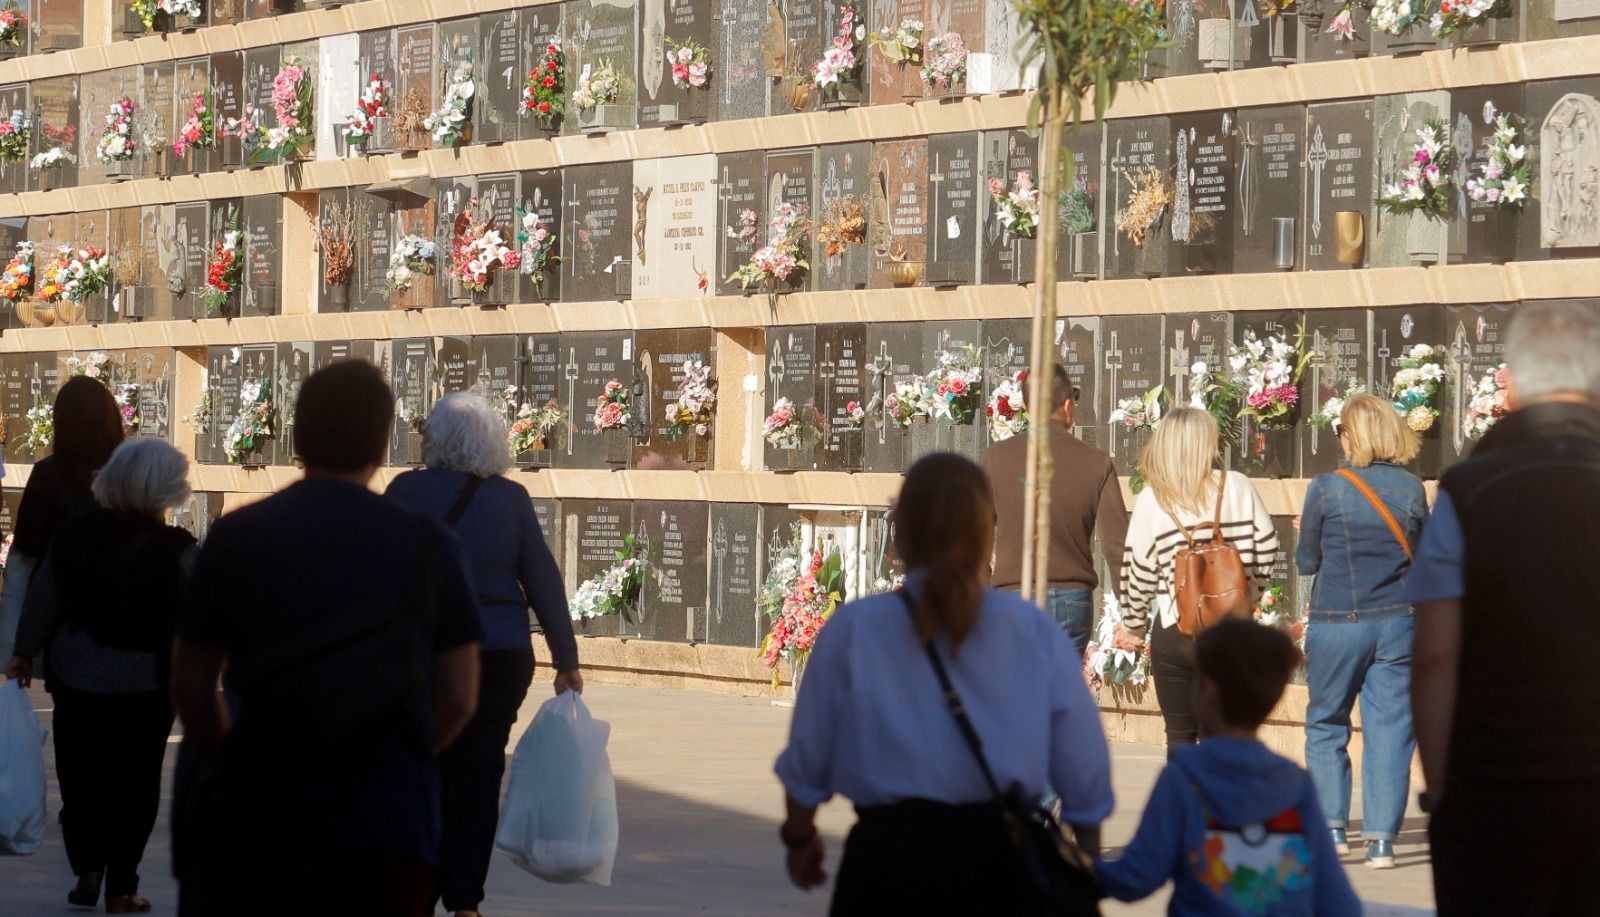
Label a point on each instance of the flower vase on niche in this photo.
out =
(120, 170)
(800, 95)
(847, 95)
(697, 449)
(618, 446)
(1492, 30)
(605, 118)
(134, 302)
(1085, 249)
(1269, 452)
(1350, 237)
(924, 438)
(691, 106)
(339, 297)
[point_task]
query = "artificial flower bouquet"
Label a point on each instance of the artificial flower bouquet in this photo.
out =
(448, 124)
(1488, 403)
(840, 64)
(41, 420)
(903, 45)
(477, 250)
(533, 425)
(613, 591)
(250, 130)
(17, 278)
(412, 258)
(1139, 413)
(783, 257)
(255, 422)
(603, 87)
(612, 410)
(691, 64)
(1328, 415)
(127, 399)
(15, 132)
(96, 366)
(80, 273)
(1423, 184)
(945, 63)
(1342, 25)
(294, 110)
(1016, 208)
(199, 129)
(1505, 177)
(13, 27)
(785, 426)
(956, 384)
(359, 128)
(804, 605)
(1416, 387)
(53, 158)
(52, 283)
(1397, 17)
(1104, 663)
(192, 10)
(697, 395)
(911, 400)
(1007, 409)
(537, 245)
(544, 92)
(117, 143)
(1458, 15)
(1268, 372)
(226, 270)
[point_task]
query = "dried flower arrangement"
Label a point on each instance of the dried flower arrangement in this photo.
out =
(846, 225)
(1151, 194)
(337, 232)
(128, 264)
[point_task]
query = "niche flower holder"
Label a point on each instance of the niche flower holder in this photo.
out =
(782, 263)
(537, 245)
(250, 434)
(451, 123)
(1400, 26)
(615, 591)
(691, 78)
(224, 274)
(479, 250)
(1474, 22)
(1266, 373)
(944, 65)
(613, 414)
(534, 429)
(409, 279)
(336, 232)
(1505, 176)
(13, 31)
(954, 388)
(597, 101)
(689, 419)
(118, 144)
(1423, 183)
(544, 91)
(15, 133)
(366, 130)
(293, 135)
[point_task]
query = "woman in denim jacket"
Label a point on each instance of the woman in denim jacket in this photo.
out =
(1358, 640)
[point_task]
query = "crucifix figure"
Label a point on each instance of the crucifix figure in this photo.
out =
(1179, 361)
(1461, 358)
(719, 553)
(1317, 160)
(882, 370)
(936, 180)
(1319, 357)
(827, 371)
(1383, 353)
(1247, 177)
(776, 370)
(1113, 368)
(572, 396)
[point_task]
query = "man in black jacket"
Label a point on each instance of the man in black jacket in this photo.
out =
(1505, 690)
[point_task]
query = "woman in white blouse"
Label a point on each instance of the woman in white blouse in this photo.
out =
(1181, 490)
(871, 722)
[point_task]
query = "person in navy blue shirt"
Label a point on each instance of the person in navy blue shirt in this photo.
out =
(349, 629)
(464, 446)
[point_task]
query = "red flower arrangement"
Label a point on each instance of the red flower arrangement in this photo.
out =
(225, 271)
(545, 92)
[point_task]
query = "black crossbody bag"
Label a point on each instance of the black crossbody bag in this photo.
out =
(1058, 877)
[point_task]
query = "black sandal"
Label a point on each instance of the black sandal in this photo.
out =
(87, 894)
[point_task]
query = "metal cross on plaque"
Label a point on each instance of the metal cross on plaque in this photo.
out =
(572, 396)
(1319, 357)
(882, 370)
(1179, 359)
(1383, 353)
(1317, 160)
(827, 372)
(1247, 177)
(1461, 356)
(719, 552)
(1113, 369)
(776, 369)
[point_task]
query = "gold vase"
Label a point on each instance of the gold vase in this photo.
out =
(25, 314)
(905, 273)
(44, 315)
(1351, 234)
(68, 312)
(800, 96)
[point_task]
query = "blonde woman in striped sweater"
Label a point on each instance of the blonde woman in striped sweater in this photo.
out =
(1181, 490)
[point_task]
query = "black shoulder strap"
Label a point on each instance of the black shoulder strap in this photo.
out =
(953, 701)
(463, 500)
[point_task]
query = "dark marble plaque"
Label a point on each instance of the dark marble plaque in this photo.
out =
(661, 357)
(329, 201)
(541, 195)
(1339, 341)
(1267, 188)
(1080, 351)
(1394, 332)
(493, 372)
(1491, 230)
(1190, 338)
(675, 588)
(593, 533)
(599, 222)
(660, 100)
(416, 216)
(1132, 364)
(898, 225)
(416, 94)
(458, 42)
(841, 381)
(294, 360)
(741, 213)
(56, 123)
(843, 198)
(545, 377)
(944, 434)
(1402, 240)
(14, 175)
(1338, 180)
(1475, 338)
(890, 82)
(588, 360)
(600, 32)
(261, 221)
(548, 511)
(740, 79)
(257, 365)
(501, 75)
(734, 560)
(16, 397)
(58, 25)
(778, 530)
(191, 77)
(1007, 257)
(1320, 38)
(796, 32)
(208, 435)
(1078, 248)
(410, 371)
(378, 59)
(1137, 149)
(498, 199)
(955, 191)
(93, 229)
(1269, 453)
(790, 181)
(1541, 100)
(894, 354)
(451, 196)
(1006, 351)
(375, 216)
(187, 259)
(538, 27)
(261, 66)
(227, 102)
(792, 374)
(452, 366)
(1205, 191)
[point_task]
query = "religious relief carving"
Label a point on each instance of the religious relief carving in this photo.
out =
(1569, 162)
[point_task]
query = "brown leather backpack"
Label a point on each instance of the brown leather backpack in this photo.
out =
(1209, 579)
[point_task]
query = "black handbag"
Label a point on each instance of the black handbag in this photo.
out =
(1056, 875)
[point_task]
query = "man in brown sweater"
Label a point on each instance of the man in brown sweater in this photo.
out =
(1085, 497)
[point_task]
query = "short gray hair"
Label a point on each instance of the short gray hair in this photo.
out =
(466, 434)
(1554, 347)
(144, 476)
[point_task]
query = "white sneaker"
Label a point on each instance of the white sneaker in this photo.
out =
(1380, 854)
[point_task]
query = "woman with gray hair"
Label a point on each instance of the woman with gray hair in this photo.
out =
(465, 448)
(103, 604)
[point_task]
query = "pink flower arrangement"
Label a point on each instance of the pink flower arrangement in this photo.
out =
(839, 63)
(783, 257)
(611, 409)
(477, 250)
(197, 131)
(1488, 403)
(691, 64)
(292, 107)
(806, 605)
(1268, 372)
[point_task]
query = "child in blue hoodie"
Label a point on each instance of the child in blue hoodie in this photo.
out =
(1236, 827)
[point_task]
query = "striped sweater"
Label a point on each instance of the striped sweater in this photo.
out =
(1154, 540)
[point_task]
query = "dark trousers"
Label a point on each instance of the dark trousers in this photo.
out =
(1172, 665)
(109, 749)
(920, 857)
(248, 882)
(470, 772)
(1516, 848)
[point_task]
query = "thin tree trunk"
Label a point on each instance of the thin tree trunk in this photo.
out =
(1052, 125)
(1038, 355)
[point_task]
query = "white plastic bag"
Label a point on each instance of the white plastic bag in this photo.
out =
(21, 773)
(560, 815)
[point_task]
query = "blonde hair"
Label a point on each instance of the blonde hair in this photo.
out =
(1375, 432)
(1177, 461)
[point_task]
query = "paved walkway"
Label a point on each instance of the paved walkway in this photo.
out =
(700, 810)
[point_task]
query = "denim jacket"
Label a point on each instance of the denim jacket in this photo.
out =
(1360, 568)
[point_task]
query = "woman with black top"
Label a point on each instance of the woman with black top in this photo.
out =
(104, 604)
(87, 427)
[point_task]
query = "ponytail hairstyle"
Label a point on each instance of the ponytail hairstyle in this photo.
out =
(944, 529)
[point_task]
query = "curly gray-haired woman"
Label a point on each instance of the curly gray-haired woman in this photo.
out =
(465, 449)
(104, 604)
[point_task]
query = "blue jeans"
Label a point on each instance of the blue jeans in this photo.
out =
(1074, 611)
(1372, 659)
